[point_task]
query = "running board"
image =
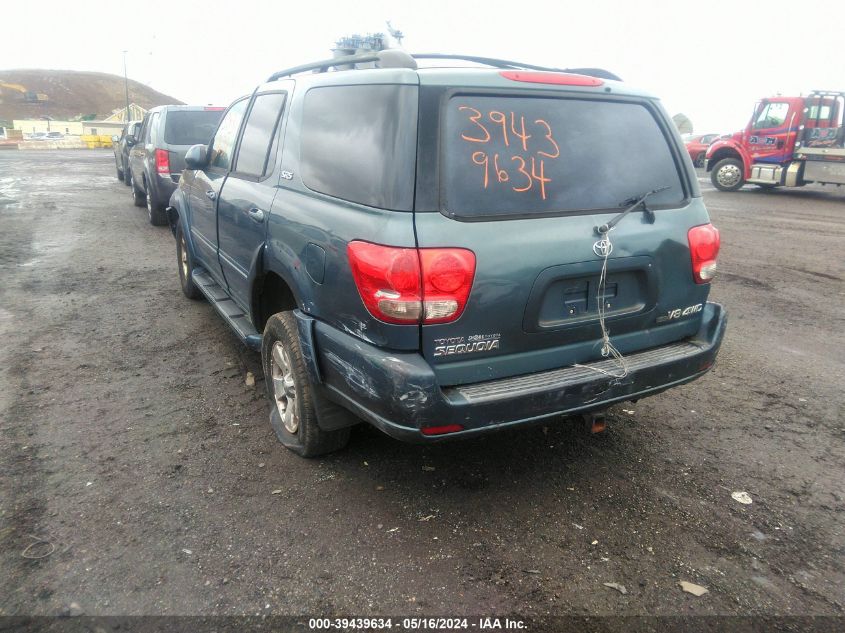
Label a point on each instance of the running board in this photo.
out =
(227, 308)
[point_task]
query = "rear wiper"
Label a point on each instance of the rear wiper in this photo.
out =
(631, 204)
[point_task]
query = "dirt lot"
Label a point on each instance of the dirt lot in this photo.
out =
(133, 447)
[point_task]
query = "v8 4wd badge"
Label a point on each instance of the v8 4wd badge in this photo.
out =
(677, 313)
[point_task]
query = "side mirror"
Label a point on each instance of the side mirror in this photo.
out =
(196, 157)
(130, 140)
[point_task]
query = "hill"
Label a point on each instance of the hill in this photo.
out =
(71, 94)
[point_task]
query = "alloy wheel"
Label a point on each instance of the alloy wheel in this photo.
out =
(284, 387)
(183, 258)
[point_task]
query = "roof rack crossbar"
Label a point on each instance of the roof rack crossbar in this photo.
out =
(323, 66)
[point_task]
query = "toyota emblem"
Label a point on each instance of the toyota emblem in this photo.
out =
(603, 247)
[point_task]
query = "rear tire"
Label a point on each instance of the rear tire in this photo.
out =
(155, 210)
(727, 175)
(127, 177)
(119, 174)
(294, 416)
(138, 198)
(186, 264)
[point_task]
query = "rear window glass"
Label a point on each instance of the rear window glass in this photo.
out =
(190, 127)
(535, 156)
(359, 143)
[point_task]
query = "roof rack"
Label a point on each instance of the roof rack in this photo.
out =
(826, 93)
(395, 58)
(388, 58)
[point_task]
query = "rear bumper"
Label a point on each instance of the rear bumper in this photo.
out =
(163, 187)
(399, 394)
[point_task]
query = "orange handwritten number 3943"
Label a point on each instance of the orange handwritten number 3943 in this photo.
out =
(550, 139)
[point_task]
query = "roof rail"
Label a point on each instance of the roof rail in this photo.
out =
(487, 61)
(395, 58)
(511, 65)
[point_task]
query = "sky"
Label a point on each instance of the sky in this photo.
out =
(710, 59)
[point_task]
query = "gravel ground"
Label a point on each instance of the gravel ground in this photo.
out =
(137, 453)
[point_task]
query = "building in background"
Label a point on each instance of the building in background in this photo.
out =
(111, 125)
(136, 113)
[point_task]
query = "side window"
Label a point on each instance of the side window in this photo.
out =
(223, 143)
(148, 124)
(259, 132)
(772, 115)
(359, 143)
(152, 136)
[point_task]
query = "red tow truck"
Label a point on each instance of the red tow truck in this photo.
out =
(789, 142)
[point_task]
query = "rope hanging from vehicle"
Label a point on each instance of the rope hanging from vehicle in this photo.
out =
(608, 349)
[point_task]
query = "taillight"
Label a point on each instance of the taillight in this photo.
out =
(704, 249)
(409, 285)
(162, 161)
(447, 279)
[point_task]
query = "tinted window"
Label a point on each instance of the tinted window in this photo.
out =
(359, 144)
(258, 133)
(142, 129)
(151, 124)
(226, 135)
(190, 127)
(515, 156)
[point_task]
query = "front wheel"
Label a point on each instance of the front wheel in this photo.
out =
(293, 414)
(119, 174)
(727, 175)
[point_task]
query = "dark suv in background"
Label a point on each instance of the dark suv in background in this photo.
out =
(444, 252)
(157, 152)
(121, 149)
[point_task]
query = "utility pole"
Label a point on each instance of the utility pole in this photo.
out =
(126, 87)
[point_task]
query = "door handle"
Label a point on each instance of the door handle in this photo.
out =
(256, 214)
(211, 195)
